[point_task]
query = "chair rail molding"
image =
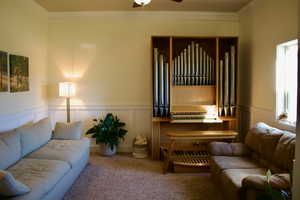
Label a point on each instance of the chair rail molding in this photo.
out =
(14, 120)
(251, 114)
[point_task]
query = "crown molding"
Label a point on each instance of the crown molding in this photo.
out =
(185, 15)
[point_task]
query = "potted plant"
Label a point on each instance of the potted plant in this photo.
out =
(272, 193)
(108, 132)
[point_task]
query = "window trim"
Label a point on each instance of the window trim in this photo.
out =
(279, 86)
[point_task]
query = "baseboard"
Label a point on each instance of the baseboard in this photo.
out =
(121, 149)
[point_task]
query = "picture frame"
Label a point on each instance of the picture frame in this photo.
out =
(4, 78)
(19, 73)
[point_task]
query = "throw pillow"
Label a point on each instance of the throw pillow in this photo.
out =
(10, 187)
(68, 131)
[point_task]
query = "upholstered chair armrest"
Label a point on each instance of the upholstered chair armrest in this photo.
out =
(228, 149)
(259, 182)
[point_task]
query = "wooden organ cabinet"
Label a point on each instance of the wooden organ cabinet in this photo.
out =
(194, 97)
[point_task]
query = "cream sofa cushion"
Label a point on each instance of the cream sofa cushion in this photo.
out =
(35, 136)
(10, 187)
(39, 175)
(68, 131)
(10, 149)
(70, 151)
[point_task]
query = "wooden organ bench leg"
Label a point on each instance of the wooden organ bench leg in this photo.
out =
(168, 158)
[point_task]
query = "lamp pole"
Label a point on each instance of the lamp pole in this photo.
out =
(67, 90)
(68, 110)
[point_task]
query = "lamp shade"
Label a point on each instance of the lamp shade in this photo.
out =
(66, 89)
(142, 2)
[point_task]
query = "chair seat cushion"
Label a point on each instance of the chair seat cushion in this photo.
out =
(39, 175)
(70, 151)
(234, 162)
(232, 181)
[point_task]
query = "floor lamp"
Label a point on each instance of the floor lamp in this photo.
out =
(67, 90)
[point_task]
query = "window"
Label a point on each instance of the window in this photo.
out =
(286, 82)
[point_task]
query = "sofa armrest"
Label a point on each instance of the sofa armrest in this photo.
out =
(228, 149)
(258, 182)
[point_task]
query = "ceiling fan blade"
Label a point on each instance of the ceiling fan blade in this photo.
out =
(135, 5)
(178, 1)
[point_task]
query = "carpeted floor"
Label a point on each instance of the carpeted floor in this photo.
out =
(125, 178)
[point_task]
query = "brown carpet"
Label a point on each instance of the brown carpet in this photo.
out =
(125, 178)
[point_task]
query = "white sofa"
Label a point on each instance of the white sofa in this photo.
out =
(48, 166)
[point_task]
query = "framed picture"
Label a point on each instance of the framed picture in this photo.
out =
(19, 73)
(3, 72)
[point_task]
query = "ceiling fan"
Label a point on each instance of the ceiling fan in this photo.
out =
(141, 3)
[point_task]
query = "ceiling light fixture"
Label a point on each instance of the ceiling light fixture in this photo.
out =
(142, 2)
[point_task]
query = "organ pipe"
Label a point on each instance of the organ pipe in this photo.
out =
(161, 85)
(197, 65)
(232, 81)
(156, 82)
(226, 85)
(166, 89)
(192, 75)
(189, 65)
(221, 75)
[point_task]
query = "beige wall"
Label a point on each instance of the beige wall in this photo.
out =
(24, 27)
(110, 53)
(263, 25)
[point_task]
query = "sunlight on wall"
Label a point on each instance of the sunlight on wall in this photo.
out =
(74, 66)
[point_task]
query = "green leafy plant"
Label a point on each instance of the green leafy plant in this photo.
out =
(274, 194)
(108, 130)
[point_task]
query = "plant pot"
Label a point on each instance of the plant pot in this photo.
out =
(105, 150)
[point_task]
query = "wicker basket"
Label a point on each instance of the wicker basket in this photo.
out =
(140, 150)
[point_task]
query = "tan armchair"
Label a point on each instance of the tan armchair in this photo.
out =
(240, 168)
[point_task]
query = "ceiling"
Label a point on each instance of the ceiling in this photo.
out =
(155, 5)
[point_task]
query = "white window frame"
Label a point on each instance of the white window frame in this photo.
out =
(281, 97)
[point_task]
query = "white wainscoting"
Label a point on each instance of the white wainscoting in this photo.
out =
(12, 121)
(137, 118)
(249, 115)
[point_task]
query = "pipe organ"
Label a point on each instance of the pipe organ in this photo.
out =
(194, 84)
(193, 66)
